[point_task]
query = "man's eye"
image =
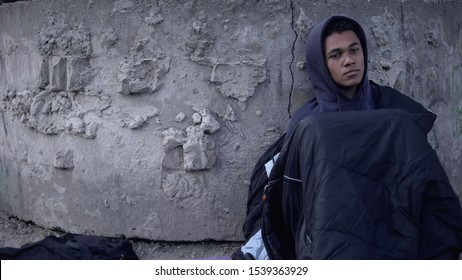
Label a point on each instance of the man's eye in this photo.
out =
(355, 50)
(334, 55)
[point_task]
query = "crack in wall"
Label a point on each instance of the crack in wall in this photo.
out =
(402, 23)
(292, 8)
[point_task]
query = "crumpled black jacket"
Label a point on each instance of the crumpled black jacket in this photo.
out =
(362, 185)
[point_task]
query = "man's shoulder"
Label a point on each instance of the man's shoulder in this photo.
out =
(302, 112)
(387, 91)
(388, 97)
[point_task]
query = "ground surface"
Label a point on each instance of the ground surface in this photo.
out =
(15, 233)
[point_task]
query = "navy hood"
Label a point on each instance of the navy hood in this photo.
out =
(328, 94)
(329, 97)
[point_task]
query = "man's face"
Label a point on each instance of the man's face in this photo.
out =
(345, 60)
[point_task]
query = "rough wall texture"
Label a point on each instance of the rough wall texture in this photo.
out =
(145, 118)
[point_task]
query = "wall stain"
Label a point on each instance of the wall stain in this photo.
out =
(456, 98)
(4, 196)
(4, 124)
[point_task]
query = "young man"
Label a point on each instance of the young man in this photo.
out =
(357, 178)
(336, 57)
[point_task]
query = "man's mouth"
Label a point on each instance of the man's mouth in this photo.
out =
(351, 73)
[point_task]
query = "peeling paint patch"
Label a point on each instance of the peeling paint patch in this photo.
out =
(123, 6)
(62, 37)
(64, 160)
(50, 209)
(142, 77)
(198, 147)
(153, 224)
(238, 80)
(185, 190)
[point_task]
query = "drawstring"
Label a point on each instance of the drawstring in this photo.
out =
(362, 102)
(338, 103)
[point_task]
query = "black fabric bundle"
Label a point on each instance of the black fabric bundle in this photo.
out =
(72, 247)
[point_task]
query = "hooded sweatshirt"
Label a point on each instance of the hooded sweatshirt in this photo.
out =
(329, 97)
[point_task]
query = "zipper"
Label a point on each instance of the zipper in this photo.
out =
(264, 195)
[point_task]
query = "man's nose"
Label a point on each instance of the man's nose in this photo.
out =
(348, 59)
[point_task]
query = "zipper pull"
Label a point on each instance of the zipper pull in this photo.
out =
(264, 195)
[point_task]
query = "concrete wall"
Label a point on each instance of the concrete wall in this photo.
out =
(145, 118)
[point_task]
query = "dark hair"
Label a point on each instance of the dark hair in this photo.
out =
(340, 25)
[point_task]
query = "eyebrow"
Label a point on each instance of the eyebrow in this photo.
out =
(339, 49)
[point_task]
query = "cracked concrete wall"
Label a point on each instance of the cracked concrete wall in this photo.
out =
(145, 118)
